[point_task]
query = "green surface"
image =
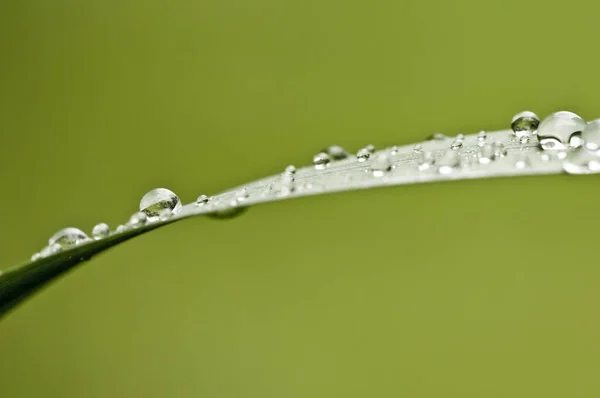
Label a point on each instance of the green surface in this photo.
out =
(466, 289)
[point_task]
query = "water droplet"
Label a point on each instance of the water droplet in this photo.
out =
(51, 249)
(138, 219)
(363, 154)
(425, 160)
(380, 164)
(556, 131)
(158, 199)
(449, 161)
(522, 161)
(68, 237)
(544, 157)
(165, 214)
(591, 135)
(524, 139)
(336, 152)
(485, 154)
(460, 137)
(202, 200)
(121, 228)
(291, 169)
(524, 123)
(418, 149)
(499, 150)
(35, 257)
(437, 137)
(582, 161)
(394, 150)
(242, 195)
(370, 148)
(100, 231)
(456, 144)
(321, 160)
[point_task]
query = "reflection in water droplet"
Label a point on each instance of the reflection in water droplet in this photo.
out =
(68, 237)
(336, 152)
(165, 214)
(158, 199)
(456, 144)
(321, 160)
(449, 161)
(291, 169)
(524, 123)
(380, 164)
(363, 154)
(556, 131)
(100, 231)
(138, 219)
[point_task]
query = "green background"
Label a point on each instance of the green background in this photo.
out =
(462, 289)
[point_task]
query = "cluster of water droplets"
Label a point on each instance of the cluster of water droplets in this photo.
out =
(562, 138)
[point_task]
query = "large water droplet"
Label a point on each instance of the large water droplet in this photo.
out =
(336, 152)
(138, 219)
(68, 237)
(449, 161)
(158, 199)
(321, 160)
(591, 135)
(100, 231)
(524, 123)
(557, 131)
(380, 164)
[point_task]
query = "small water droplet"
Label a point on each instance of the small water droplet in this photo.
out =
(456, 144)
(394, 150)
(522, 161)
(524, 123)
(370, 148)
(499, 150)
(138, 219)
(460, 137)
(321, 160)
(291, 169)
(591, 135)
(336, 152)
(418, 149)
(35, 257)
(556, 131)
(544, 157)
(582, 161)
(158, 199)
(425, 160)
(242, 195)
(202, 200)
(437, 137)
(121, 228)
(449, 161)
(100, 231)
(380, 164)
(68, 237)
(485, 154)
(363, 154)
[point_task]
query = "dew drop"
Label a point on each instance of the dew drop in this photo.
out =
(35, 257)
(51, 249)
(449, 161)
(524, 139)
(499, 150)
(591, 135)
(437, 137)
(291, 169)
(394, 150)
(363, 154)
(524, 123)
(418, 149)
(557, 130)
(138, 219)
(321, 160)
(456, 144)
(336, 152)
(425, 160)
(582, 161)
(370, 148)
(202, 200)
(120, 229)
(165, 214)
(522, 161)
(158, 199)
(100, 231)
(68, 237)
(242, 195)
(380, 164)
(485, 154)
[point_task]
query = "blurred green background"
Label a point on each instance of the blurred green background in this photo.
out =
(463, 289)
